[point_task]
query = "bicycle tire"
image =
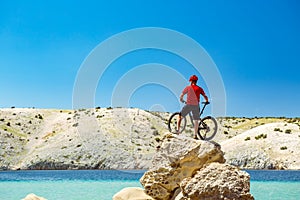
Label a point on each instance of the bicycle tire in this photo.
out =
(208, 128)
(172, 123)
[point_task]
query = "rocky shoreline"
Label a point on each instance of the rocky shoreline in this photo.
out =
(187, 169)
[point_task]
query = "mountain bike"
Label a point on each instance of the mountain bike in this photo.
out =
(208, 125)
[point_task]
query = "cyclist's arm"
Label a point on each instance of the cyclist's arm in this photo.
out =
(185, 91)
(204, 95)
(181, 97)
(206, 98)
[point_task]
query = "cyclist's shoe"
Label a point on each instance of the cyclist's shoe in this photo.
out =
(196, 138)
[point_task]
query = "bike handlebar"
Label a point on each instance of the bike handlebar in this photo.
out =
(205, 103)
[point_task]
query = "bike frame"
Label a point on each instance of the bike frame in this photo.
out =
(201, 112)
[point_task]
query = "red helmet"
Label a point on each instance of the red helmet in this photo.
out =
(194, 78)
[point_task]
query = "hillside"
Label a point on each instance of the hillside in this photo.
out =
(120, 138)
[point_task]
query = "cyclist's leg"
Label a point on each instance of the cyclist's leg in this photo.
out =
(185, 110)
(196, 117)
(178, 123)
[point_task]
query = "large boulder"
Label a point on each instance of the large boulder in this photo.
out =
(216, 181)
(132, 193)
(178, 158)
(188, 169)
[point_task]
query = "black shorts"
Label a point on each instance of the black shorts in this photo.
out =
(188, 108)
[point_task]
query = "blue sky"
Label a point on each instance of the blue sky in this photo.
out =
(255, 46)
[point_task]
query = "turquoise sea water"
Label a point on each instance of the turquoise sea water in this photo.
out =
(103, 184)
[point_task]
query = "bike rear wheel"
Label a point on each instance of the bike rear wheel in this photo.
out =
(208, 127)
(172, 123)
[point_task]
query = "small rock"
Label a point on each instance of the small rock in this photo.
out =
(132, 193)
(33, 197)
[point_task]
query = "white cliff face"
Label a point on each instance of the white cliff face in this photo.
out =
(269, 146)
(78, 139)
(117, 138)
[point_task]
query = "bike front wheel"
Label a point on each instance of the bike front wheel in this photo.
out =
(173, 123)
(208, 127)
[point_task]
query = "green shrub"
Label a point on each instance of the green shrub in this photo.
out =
(155, 132)
(39, 116)
(75, 125)
(261, 136)
(247, 138)
(277, 129)
(283, 148)
(78, 158)
(288, 131)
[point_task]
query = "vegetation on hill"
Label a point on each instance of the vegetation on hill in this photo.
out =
(111, 138)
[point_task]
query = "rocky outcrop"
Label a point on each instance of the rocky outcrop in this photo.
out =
(178, 158)
(188, 169)
(216, 181)
(33, 197)
(132, 193)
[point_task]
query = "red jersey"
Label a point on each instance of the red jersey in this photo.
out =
(193, 94)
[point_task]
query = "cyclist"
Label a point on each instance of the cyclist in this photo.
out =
(193, 92)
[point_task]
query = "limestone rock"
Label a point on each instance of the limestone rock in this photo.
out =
(177, 158)
(269, 146)
(132, 193)
(33, 197)
(101, 138)
(216, 181)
